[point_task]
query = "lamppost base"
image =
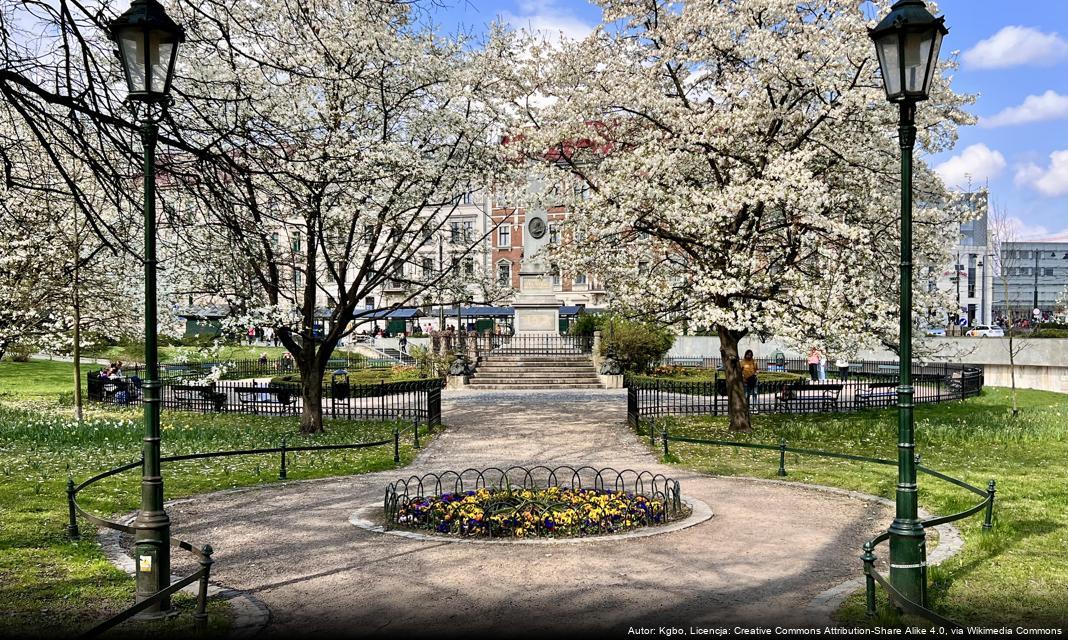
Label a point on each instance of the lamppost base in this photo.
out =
(150, 616)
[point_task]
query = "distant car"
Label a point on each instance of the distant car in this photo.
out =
(987, 331)
(936, 331)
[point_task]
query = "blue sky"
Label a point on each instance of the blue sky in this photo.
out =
(1013, 54)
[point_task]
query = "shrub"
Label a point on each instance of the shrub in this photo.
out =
(586, 323)
(637, 346)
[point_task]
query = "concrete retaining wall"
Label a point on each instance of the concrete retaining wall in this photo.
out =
(1040, 363)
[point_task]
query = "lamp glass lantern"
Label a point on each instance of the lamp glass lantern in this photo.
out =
(907, 42)
(148, 47)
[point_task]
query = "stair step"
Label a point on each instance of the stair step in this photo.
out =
(541, 371)
(474, 385)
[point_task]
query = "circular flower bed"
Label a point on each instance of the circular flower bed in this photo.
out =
(536, 509)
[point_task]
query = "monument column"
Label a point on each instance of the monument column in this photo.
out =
(537, 310)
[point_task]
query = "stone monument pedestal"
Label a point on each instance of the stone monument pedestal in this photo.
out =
(537, 311)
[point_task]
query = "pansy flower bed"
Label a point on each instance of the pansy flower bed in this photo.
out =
(523, 512)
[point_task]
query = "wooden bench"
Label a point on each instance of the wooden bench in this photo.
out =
(196, 396)
(260, 396)
(809, 397)
(878, 394)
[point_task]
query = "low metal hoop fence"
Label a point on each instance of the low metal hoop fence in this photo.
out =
(655, 486)
(203, 554)
(871, 575)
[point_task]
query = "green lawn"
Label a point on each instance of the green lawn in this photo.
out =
(38, 380)
(50, 586)
(1015, 574)
(136, 353)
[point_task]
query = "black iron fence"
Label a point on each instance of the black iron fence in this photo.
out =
(863, 386)
(251, 368)
(536, 345)
(871, 575)
(342, 399)
(203, 554)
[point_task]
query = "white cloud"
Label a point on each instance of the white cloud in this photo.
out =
(1048, 106)
(973, 167)
(1020, 231)
(1052, 180)
(547, 18)
(1014, 46)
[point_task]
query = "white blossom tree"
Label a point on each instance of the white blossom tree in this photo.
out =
(344, 135)
(742, 169)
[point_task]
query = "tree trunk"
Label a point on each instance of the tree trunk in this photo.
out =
(77, 353)
(77, 337)
(311, 391)
(737, 406)
(1012, 347)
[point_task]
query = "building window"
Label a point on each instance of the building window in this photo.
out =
(582, 191)
(556, 277)
(368, 233)
(454, 232)
(504, 235)
(580, 279)
(554, 234)
(398, 269)
(296, 242)
(1047, 272)
(469, 266)
(428, 267)
(504, 273)
(369, 302)
(468, 197)
(274, 240)
(297, 278)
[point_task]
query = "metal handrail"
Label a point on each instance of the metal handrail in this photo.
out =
(203, 555)
(871, 575)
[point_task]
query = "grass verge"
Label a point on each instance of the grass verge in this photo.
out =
(1015, 574)
(50, 586)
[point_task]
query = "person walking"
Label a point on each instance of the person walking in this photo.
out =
(402, 342)
(814, 363)
(823, 367)
(749, 377)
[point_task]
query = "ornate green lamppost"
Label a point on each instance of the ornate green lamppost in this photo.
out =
(907, 43)
(148, 46)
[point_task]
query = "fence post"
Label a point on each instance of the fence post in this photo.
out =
(396, 445)
(282, 468)
(633, 416)
(782, 458)
(988, 520)
(415, 432)
(715, 392)
(869, 579)
(433, 404)
(200, 618)
(72, 527)
(664, 437)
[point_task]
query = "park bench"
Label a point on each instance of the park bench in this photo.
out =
(265, 396)
(809, 397)
(110, 389)
(877, 394)
(197, 396)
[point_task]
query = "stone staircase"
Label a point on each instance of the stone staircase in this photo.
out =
(535, 371)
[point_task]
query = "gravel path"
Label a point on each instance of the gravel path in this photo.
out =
(769, 550)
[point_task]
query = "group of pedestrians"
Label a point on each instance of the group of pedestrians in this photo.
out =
(817, 370)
